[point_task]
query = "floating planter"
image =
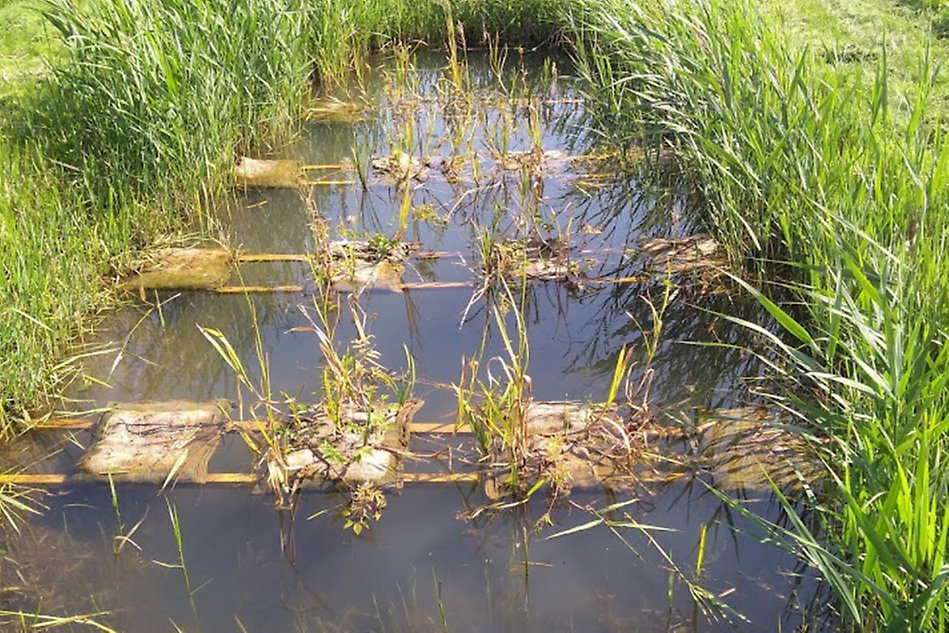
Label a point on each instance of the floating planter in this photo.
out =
(183, 269)
(537, 258)
(402, 167)
(154, 442)
(280, 174)
(748, 449)
(353, 265)
(553, 161)
(350, 445)
(567, 444)
(694, 254)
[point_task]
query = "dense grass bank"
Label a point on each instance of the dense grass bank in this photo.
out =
(800, 159)
(803, 165)
(126, 139)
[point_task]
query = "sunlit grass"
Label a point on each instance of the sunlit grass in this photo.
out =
(822, 180)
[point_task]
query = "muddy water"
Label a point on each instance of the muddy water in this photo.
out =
(427, 565)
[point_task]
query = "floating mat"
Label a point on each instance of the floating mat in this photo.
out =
(747, 449)
(148, 442)
(401, 166)
(571, 444)
(696, 253)
(354, 447)
(282, 174)
(537, 258)
(352, 265)
(183, 269)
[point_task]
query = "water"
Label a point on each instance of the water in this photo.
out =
(434, 561)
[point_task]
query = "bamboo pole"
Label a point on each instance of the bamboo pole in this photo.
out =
(248, 426)
(232, 290)
(242, 479)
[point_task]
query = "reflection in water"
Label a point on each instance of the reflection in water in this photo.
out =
(435, 561)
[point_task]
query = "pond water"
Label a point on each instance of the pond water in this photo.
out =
(433, 561)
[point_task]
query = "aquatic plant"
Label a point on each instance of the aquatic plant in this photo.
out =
(495, 406)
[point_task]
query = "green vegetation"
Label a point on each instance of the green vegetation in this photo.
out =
(123, 142)
(802, 164)
(24, 43)
(830, 159)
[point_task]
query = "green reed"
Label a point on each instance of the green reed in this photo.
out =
(820, 181)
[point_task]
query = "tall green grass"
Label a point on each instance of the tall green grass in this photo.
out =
(828, 186)
(344, 31)
(164, 93)
(129, 137)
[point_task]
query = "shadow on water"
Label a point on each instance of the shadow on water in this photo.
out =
(434, 561)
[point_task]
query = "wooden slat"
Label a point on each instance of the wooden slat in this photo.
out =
(327, 183)
(259, 258)
(438, 427)
(232, 478)
(255, 258)
(327, 166)
(437, 285)
(439, 478)
(30, 479)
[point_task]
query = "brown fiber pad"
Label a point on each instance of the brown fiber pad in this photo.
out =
(280, 174)
(182, 269)
(150, 441)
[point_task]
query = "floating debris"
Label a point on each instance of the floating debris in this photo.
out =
(279, 174)
(697, 253)
(153, 442)
(182, 269)
(747, 448)
(349, 445)
(569, 445)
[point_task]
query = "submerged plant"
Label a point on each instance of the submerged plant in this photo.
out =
(366, 505)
